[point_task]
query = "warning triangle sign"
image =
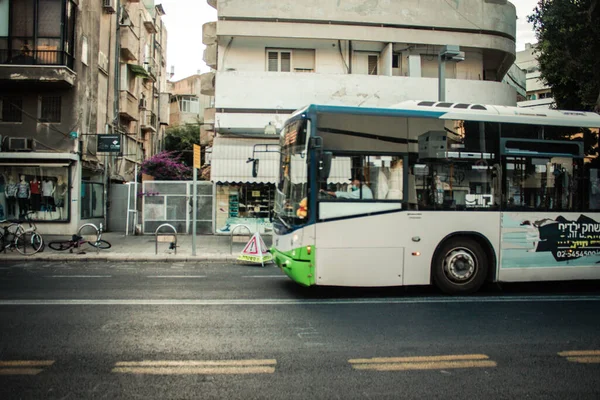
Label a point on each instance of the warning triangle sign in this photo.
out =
(256, 251)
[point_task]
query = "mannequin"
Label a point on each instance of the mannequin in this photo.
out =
(10, 191)
(60, 192)
(47, 194)
(35, 188)
(23, 195)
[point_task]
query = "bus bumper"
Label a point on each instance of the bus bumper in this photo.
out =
(300, 271)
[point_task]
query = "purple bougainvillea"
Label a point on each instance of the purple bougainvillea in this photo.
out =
(166, 166)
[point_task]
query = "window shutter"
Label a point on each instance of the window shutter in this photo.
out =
(286, 62)
(304, 60)
(273, 61)
(373, 61)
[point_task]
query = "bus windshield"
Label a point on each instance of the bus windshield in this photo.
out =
(291, 203)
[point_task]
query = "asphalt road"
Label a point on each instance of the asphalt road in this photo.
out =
(179, 331)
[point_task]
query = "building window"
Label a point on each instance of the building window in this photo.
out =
(50, 109)
(190, 106)
(11, 109)
(279, 60)
(295, 60)
(373, 62)
(40, 32)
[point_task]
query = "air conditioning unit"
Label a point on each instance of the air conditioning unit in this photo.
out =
(20, 144)
(109, 6)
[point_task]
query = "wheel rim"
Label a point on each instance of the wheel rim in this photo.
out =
(460, 265)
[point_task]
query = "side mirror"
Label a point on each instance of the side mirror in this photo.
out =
(325, 165)
(255, 168)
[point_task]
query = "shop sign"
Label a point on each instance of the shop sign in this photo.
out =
(109, 143)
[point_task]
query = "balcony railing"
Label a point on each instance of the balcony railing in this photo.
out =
(148, 121)
(36, 57)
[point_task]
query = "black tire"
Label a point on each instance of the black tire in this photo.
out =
(61, 245)
(29, 243)
(460, 266)
(101, 244)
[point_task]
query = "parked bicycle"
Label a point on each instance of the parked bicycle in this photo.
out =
(87, 234)
(26, 240)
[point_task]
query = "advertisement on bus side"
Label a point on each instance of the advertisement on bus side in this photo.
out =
(547, 240)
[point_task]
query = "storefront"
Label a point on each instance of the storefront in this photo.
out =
(242, 199)
(50, 189)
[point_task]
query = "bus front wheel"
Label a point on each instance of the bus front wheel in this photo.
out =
(459, 266)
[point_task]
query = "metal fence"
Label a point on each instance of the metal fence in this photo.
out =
(171, 202)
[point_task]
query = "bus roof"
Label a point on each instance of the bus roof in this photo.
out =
(468, 112)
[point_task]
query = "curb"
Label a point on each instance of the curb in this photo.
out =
(75, 258)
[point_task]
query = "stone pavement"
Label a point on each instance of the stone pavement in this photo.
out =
(142, 248)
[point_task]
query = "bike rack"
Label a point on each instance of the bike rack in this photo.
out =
(165, 237)
(233, 231)
(89, 237)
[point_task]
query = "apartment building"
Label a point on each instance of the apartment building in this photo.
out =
(273, 57)
(71, 71)
(539, 94)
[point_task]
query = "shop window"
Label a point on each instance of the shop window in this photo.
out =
(249, 204)
(50, 109)
(40, 191)
(92, 200)
(11, 109)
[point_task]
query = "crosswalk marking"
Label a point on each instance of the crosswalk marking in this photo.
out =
(582, 356)
(195, 367)
(23, 367)
(423, 362)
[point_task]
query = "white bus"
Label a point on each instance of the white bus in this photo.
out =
(425, 192)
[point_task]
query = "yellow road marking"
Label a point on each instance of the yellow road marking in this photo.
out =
(585, 360)
(456, 357)
(425, 365)
(194, 363)
(575, 353)
(194, 370)
(26, 363)
(20, 371)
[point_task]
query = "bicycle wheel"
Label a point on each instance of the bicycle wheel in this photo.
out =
(61, 245)
(100, 244)
(89, 232)
(29, 243)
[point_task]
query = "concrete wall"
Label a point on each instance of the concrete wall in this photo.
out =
(498, 16)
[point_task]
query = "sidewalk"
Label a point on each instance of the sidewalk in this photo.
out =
(142, 248)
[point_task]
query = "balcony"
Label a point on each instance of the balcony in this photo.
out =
(50, 67)
(212, 3)
(207, 84)
(151, 67)
(130, 44)
(148, 121)
(242, 108)
(206, 135)
(128, 106)
(210, 55)
(209, 115)
(209, 33)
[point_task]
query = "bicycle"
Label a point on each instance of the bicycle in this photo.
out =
(82, 237)
(8, 234)
(26, 241)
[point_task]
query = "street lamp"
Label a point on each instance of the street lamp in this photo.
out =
(448, 53)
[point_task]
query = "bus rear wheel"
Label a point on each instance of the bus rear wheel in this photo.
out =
(460, 266)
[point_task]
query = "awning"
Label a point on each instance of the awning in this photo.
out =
(138, 70)
(229, 161)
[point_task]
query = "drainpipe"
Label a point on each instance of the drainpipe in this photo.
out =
(350, 56)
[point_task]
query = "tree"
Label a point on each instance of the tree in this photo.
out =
(568, 35)
(166, 166)
(181, 140)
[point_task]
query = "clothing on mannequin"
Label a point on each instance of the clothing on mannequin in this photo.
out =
(10, 191)
(60, 193)
(35, 188)
(47, 193)
(23, 195)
